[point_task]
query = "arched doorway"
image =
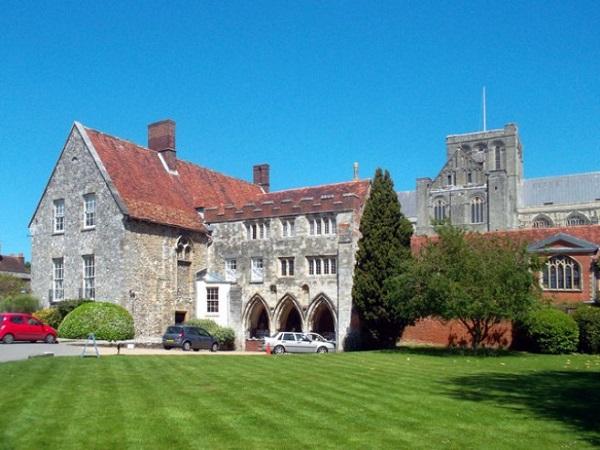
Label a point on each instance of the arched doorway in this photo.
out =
(258, 323)
(322, 318)
(290, 318)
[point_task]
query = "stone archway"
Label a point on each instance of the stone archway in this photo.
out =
(289, 317)
(322, 318)
(257, 322)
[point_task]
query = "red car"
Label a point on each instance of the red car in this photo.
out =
(24, 327)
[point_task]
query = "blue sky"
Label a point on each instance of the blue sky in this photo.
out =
(309, 87)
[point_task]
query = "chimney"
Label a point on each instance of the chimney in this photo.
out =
(161, 138)
(261, 176)
(355, 167)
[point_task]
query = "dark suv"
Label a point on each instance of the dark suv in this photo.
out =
(189, 338)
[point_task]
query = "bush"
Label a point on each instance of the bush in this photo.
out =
(107, 321)
(552, 331)
(588, 320)
(23, 303)
(50, 316)
(225, 335)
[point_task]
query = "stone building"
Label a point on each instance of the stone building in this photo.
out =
(170, 240)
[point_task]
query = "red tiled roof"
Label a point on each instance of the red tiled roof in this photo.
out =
(13, 264)
(326, 198)
(152, 194)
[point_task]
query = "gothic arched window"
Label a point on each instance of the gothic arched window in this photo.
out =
(183, 249)
(561, 273)
(439, 210)
(477, 210)
(577, 219)
(542, 222)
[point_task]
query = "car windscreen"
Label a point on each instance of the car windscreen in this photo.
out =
(173, 330)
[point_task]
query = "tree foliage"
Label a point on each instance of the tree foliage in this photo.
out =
(10, 286)
(477, 279)
(383, 249)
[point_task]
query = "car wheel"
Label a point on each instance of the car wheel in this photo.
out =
(50, 339)
(214, 347)
(187, 346)
(8, 339)
(279, 350)
(322, 350)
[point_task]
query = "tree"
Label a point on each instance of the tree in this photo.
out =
(10, 286)
(383, 249)
(476, 279)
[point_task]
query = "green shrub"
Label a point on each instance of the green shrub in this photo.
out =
(23, 303)
(107, 321)
(225, 335)
(588, 320)
(552, 331)
(50, 316)
(64, 307)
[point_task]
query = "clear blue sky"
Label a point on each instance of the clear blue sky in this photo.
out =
(309, 87)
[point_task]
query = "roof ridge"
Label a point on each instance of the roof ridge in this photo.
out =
(561, 176)
(318, 186)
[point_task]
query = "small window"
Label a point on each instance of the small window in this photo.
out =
(322, 225)
(477, 210)
(257, 230)
(287, 228)
(89, 210)
(469, 177)
(322, 265)
(58, 276)
(89, 277)
(231, 270)
(212, 299)
(450, 180)
(59, 216)
(257, 270)
(287, 267)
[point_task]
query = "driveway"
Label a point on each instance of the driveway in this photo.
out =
(22, 350)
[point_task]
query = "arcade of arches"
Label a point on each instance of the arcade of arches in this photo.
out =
(288, 316)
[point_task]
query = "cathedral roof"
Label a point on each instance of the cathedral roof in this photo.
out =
(565, 189)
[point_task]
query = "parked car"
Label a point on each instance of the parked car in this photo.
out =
(288, 342)
(189, 338)
(319, 338)
(24, 327)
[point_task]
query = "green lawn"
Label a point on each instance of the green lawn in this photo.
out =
(404, 399)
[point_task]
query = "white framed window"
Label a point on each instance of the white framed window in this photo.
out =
(257, 230)
(89, 210)
(231, 269)
(212, 299)
(58, 278)
(257, 270)
(59, 215)
(477, 210)
(322, 265)
(288, 228)
(322, 225)
(287, 266)
(89, 277)
(561, 273)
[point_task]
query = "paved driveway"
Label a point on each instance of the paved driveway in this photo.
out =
(22, 350)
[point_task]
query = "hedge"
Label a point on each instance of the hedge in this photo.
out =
(55, 314)
(225, 335)
(107, 321)
(552, 331)
(588, 320)
(22, 303)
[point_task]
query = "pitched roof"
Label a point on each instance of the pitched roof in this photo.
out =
(556, 244)
(151, 193)
(346, 196)
(12, 264)
(565, 189)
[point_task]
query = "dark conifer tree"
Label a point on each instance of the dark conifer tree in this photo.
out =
(383, 253)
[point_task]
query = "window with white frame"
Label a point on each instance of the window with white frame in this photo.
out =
(322, 225)
(58, 278)
(322, 265)
(257, 230)
(561, 273)
(89, 210)
(439, 210)
(257, 270)
(477, 210)
(212, 299)
(288, 228)
(231, 269)
(89, 277)
(59, 215)
(287, 266)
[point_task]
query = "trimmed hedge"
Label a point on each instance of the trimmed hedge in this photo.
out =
(225, 335)
(22, 303)
(107, 321)
(588, 320)
(54, 315)
(552, 331)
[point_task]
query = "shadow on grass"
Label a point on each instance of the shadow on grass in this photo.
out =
(565, 396)
(450, 351)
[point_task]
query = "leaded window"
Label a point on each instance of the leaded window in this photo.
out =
(541, 222)
(561, 273)
(576, 220)
(439, 210)
(477, 210)
(287, 266)
(322, 265)
(322, 225)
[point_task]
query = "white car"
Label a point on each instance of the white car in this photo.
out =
(289, 342)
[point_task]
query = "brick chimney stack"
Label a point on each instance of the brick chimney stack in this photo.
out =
(161, 138)
(261, 176)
